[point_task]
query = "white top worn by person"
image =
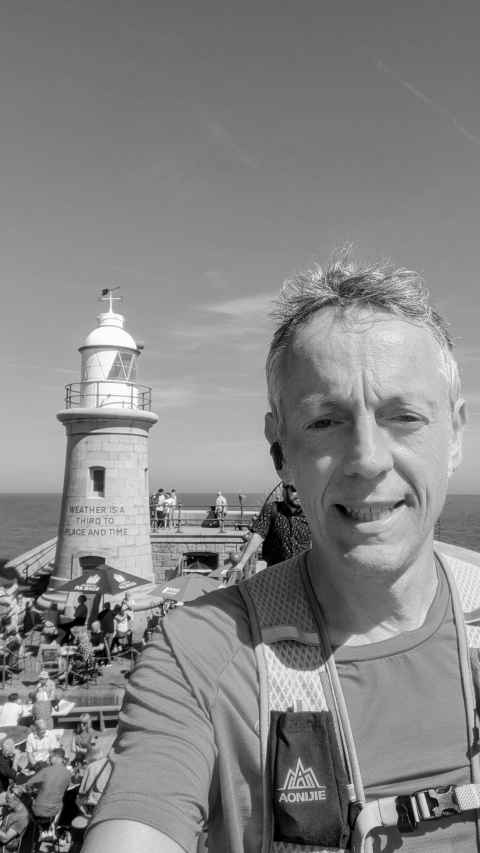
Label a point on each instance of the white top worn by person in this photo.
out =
(40, 743)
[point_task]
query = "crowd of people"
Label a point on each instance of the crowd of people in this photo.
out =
(42, 780)
(46, 785)
(162, 508)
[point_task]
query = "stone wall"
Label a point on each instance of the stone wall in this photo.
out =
(168, 548)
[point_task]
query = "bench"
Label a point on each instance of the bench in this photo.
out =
(102, 705)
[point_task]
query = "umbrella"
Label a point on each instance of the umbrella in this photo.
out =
(187, 587)
(104, 579)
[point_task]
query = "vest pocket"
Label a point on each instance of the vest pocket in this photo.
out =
(309, 782)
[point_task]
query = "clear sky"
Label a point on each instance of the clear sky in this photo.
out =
(196, 154)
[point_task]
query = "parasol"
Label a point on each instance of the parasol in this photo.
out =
(187, 587)
(104, 579)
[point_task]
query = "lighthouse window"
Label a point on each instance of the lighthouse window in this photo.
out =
(97, 482)
(123, 367)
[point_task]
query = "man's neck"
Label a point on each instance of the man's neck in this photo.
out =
(361, 609)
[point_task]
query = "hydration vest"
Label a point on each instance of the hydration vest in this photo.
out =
(300, 691)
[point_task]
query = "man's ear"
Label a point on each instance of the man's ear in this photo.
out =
(277, 450)
(459, 418)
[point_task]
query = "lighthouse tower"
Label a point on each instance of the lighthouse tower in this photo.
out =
(105, 513)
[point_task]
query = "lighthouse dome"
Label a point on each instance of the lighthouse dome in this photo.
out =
(110, 333)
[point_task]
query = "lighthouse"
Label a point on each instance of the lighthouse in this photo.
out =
(104, 516)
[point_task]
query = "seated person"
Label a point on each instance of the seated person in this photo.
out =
(14, 644)
(84, 738)
(95, 778)
(32, 617)
(83, 661)
(40, 744)
(79, 619)
(98, 641)
(15, 821)
(211, 519)
(16, 758)
(49, 784)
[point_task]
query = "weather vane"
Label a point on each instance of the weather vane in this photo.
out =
(107, 296)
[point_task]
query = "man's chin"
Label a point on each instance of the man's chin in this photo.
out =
(381, 561)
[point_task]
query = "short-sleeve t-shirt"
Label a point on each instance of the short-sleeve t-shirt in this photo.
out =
(192, 708)
(285, 532)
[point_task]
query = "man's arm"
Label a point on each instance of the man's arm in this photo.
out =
(8, 835)
(123, 836)
(252, 545)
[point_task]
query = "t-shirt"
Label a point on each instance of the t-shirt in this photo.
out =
(107, 621)
(53, 782)
(406, 741)
(10, 714)
(285, 532)
(39, 748)
(18, 819)
(192, 707)
(81, 613)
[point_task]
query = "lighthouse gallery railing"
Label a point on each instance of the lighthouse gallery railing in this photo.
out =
(106, 393)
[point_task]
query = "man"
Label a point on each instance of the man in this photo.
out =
(14, 823)
(79, 619)
(49, 785)
(107, 624)
(220, 505)
(281, 527)
(160, 508)
(326, 702)
(40, 744)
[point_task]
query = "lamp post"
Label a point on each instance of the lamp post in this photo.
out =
(241, 499)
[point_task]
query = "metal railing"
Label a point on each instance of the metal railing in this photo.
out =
(99, 394)
(193, 516)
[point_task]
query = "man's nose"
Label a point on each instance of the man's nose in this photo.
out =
(369, 454)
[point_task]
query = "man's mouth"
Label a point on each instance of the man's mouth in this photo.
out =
(369, 511)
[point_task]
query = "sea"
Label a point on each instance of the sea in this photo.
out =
(27, 520)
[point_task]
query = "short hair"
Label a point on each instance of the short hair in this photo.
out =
(345, 283)
(13, 697)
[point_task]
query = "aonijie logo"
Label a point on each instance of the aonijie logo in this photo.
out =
(301, 786)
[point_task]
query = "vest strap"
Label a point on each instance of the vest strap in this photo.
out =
(407, 811)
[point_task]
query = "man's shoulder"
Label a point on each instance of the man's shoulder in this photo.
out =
(215, 623)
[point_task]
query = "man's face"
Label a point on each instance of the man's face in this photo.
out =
(292, 497)
(40, 727)
(368, 436)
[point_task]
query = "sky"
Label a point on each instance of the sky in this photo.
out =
(196, 155)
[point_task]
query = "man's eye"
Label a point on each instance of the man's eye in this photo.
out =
(407, 418)
(323, 423)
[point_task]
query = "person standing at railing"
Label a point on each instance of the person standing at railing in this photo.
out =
(280, 528)
(220, 506)
(160, 508)
(168, 506)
